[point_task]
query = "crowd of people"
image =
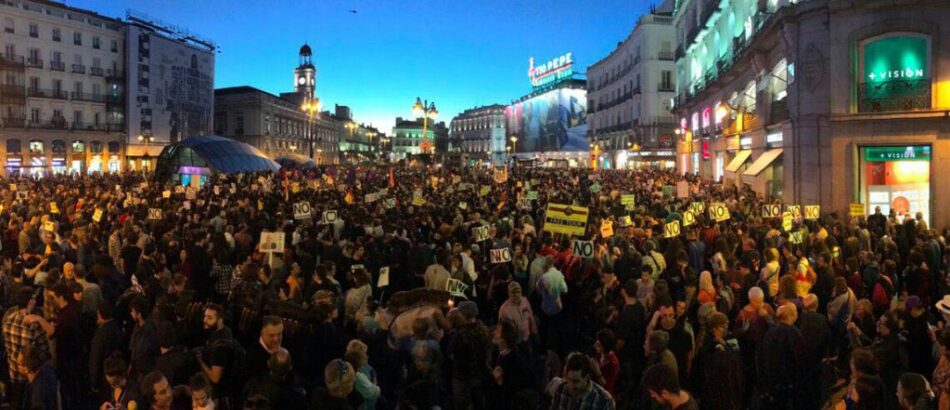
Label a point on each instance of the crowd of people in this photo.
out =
(122, 292)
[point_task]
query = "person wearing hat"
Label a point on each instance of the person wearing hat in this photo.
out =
(468, 350)
(518, 311)
(916, 325)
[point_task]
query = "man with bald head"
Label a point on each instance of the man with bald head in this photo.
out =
(779, 360)
(279, 385)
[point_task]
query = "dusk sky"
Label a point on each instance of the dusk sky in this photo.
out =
(460, 54)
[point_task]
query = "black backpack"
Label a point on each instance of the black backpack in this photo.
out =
(236, 373)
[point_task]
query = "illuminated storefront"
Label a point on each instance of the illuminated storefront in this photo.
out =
(896, 177)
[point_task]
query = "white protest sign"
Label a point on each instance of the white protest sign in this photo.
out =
(584, 249)
(329, 217)
(463, 205)
(682, 189)
(370, 198)
(480, 233)
(500, 255)
(389, 203)
(771, 211)
(155, 214)
(272, 242)
(532, 195)
(302, 210)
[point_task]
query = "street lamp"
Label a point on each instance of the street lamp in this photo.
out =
(425, 110)
(310, 106)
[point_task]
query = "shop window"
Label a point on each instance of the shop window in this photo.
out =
(894, 73)
(79, 147)
(13, 146)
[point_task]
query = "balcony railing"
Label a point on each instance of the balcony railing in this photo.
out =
(95, 71)
(114, 74)
(57, 66)
(12, 94)
(895, 95)
(34, 63)
(665, 55)
(115, 126)
(88, 126)
(778, 112)
(14, 122)
(8, 61)
(79, 69)
(40, 93)
(98, 98)
(56, 123)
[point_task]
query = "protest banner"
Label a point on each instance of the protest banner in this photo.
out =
(566, 219)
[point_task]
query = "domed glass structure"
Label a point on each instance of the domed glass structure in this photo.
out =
(204, 155)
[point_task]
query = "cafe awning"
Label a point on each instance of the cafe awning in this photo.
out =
(762, 161)
(737, 162)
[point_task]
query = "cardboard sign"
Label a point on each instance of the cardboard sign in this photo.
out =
(155, 214)
(689, 218)
(595, 187)
(484, 190)
(566, 219)
(857, 209)
(481, 233)
(671, 229)
(455, 287)
(370, 198)
(698, 207)
(418, 201)
(796, 237)
(166, 194)
(329, 217)
(812, 211)
(796, 211)
(787, 221)
(97, 215)
(532, 195)
(294, 187)
(500, 255)
(584, 249)
(272, 242)
(607, 228)
(682, 189)
(771, 211)
(719, 212)
(49, 226)
(626, 221)
(501, 176)
(53, 208)
(383, 280)
(628, 201)
(389, 203)
(302, 210)
(463, 205)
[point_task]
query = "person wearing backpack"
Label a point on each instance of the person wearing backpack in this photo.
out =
(222, 355)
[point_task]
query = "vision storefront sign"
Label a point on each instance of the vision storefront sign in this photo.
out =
(910, 153)
(895, 57)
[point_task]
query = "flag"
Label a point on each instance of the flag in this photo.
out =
(349, 197)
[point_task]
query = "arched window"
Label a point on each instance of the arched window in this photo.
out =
(79, 147)
(58, 146)
(13, 146)
(114, 147)
(95, 147)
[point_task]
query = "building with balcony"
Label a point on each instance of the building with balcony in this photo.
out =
(170, 86)
(629, 93)
(826, 102)
(62, 89)
(480, 133)
(408, 138)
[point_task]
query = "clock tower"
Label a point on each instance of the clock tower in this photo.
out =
(305, 75)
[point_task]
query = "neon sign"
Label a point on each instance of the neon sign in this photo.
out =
(901, 57)
(556, 69)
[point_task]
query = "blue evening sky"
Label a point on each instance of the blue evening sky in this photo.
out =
(458, 53)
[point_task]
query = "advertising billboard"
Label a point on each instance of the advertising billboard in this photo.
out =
(553, 121)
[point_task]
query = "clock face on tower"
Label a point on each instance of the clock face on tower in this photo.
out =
(301, 81)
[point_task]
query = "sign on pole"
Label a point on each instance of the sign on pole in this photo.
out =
(500, 255)
(272, 242)
(302, 210)
(566, 219)
(584, 249)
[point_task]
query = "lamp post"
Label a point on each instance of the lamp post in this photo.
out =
(310, 106)
(425, 110)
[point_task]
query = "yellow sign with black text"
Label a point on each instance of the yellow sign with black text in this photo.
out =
(566, 219)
